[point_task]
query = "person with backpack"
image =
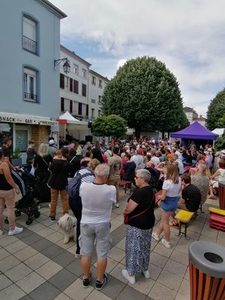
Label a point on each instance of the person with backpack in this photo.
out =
(85, 174)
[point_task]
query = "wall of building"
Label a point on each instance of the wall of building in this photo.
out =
(13, 58)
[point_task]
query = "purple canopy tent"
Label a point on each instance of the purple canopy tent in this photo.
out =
(195, 131)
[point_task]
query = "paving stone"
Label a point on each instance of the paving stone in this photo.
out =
(158, 260)
(96, 295)
(52, 251)
(15, 247)
(175, 268)
(30, 239)
(77, 292)
(4, 282)
(116, 254)
(12, 292)
(36, 261)
(8, 263)
(41, 244)
(64, 258)
(46, 291)
(62, 296)
(49, 269)
(63, 279)
(75, 267)
(113, 288)
(170, 280)
(131, 294)
(25, 253)
(30, 282)
(3, 253)
(18, 272)
(159, 292)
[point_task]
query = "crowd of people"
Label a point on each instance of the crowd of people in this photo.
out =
(185, 178)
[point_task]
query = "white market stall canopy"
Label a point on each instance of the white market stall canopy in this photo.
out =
(219, 131)
(67, 118)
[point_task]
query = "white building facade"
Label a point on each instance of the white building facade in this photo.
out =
(81, 92)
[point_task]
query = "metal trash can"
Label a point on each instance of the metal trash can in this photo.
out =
(207, 271)
(222, 195)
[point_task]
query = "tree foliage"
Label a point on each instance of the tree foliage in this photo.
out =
(216, 111)
(111, 125)
(146, 94)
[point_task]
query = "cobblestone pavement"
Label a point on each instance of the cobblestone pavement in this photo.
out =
(37, 265)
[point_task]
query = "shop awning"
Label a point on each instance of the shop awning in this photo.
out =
(25, 119)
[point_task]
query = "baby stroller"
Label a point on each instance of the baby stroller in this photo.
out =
(27, 203)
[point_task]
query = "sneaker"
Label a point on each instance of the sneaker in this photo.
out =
(100, 284)
(166, 243)
(52, 219)
(1, 232)
(131, 279)
(77, 255)
(16, 230)
(146, 274)
(117, 205)
(86, 281)
(155, 236)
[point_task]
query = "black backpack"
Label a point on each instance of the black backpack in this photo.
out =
(74, 184)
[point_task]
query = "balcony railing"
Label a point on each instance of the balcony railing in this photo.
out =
(30, 97)
(29, 44)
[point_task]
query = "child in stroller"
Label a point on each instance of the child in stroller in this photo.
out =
(27, 203)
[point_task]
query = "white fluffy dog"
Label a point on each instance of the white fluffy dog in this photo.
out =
(67, 224)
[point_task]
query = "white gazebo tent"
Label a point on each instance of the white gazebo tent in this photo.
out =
(72, 125)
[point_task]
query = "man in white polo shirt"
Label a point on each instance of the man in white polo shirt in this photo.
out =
(97, 201)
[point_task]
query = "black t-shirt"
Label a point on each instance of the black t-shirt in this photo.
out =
(192, 196)
(145, 199)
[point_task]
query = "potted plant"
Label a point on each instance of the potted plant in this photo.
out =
(16, 157)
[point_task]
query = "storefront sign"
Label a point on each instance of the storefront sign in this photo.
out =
(24, 119)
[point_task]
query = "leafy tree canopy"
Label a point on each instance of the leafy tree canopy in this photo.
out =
(111, 125)
(146, 94)
(216, 111)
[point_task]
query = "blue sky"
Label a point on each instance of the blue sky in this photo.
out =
(187, 35)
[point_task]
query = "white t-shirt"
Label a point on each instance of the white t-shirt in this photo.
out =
(172, 189)
(97, 201)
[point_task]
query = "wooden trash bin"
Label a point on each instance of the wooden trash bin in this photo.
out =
(207, 271)
(222, 195)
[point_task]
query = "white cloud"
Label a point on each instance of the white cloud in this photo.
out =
(187, 35)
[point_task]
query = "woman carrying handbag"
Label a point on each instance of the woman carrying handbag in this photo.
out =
(140, 219)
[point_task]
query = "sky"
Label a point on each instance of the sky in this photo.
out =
(187, 35)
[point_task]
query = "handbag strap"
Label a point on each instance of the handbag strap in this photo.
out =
(139, 214)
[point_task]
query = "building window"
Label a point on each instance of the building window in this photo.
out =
(84, 90)
(92, 113)
(87, 109)
(75, 69)
(71, 84)
(30, 85)
(62, 81)
(71, 106)
(99, 112)
(80, 109)
(75, 86)
(62, 104)
(99, 99)
(100, 84)
(93, 81)
(92, 100)
(29, 34)
(84, 73)
(67, 79)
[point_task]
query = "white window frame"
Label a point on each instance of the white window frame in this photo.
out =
(30, 85)
(29, 40)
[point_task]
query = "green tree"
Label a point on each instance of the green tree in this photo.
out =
(146, 94)
(216, 111)
(111, 125)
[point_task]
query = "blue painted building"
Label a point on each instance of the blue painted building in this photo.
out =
(29, 81)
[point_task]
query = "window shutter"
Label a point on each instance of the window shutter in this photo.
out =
(62, 83)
